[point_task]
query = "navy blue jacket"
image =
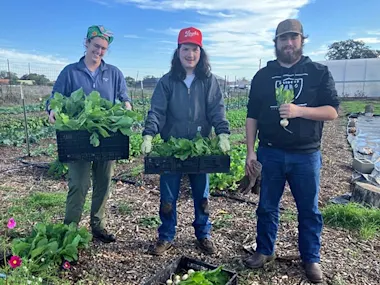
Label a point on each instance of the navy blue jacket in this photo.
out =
(109, 81)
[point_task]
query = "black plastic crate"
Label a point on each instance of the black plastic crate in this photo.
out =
(214, 163)
(75, 145)
(158, 165)
(192, 165)
(183, 264)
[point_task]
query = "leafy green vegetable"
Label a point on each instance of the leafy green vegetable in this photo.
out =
(51, 244)
(284, 96)
(207, 277)
(183, 148)
(92, 113)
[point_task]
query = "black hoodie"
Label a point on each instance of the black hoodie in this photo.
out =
(313, 86)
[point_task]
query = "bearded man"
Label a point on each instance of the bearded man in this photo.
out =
(289, 152)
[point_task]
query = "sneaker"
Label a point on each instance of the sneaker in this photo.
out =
(207, 246)
(103, 235)
(160, 247)
(313, 272)
(257, 260)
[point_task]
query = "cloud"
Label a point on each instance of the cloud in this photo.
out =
(219, 14)
(319, 53)
(369, 40)
(376, 33)
(22, 62)
(100, 2)
(238, 31)
(132, 37)
(30, 58)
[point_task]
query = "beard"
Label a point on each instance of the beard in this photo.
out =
(288, 58)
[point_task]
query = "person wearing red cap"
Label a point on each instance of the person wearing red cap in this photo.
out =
(186, 101)
(289, 150)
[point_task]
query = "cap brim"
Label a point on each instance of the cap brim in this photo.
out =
(288, 32)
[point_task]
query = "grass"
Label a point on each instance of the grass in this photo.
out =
(38, 207)
(359, 106)
(366, 221)
(125, 209)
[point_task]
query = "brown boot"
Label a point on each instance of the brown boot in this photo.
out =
(313, 272)
(160, 247)
(207, 246)
(257, 260)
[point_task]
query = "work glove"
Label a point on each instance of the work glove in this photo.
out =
(146, 146)
(251, 183)
(224, 143)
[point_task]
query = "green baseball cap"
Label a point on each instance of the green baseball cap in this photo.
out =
(99, 31)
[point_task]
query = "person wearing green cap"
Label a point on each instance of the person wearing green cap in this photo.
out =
(92, 74)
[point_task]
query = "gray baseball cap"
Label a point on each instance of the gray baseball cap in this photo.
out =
(289, 26)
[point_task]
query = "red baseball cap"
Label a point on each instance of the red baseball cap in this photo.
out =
(190, 35)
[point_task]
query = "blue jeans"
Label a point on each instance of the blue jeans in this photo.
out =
(302, 171)
(169, 190)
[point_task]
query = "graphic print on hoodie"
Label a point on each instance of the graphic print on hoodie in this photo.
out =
(313, 87)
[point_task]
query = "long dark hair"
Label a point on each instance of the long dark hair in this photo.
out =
(201, 71)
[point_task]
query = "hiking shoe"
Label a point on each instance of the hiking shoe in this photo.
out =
(207, 246)
(313, 272)
(160, 247)
(257, 260)
(103, 235)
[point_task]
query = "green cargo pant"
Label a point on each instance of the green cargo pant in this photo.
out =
(79, 183)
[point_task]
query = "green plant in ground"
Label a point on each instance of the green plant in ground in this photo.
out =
(57, 169)
(359, 106)
(223, 181)
(222, 222)
(366, 221)
(92, 113)
(12, 130)
(150, 222)
(125, 209)
(237, 118)
(49, 245)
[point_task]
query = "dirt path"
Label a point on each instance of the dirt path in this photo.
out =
(345, 258)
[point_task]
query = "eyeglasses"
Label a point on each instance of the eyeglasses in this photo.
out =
(99, 47)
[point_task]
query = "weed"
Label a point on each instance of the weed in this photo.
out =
(353, 217)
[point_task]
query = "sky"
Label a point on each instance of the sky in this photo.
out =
(45, 35)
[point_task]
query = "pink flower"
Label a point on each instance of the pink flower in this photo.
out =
(66, 265)
(11, 223)
(15, 261)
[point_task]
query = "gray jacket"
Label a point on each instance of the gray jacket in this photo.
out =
(178, 111)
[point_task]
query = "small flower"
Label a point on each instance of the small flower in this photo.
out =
(28, 282)
(42, 259)
(11, 223)
(66, 265)
(40, 279)
(15, 261)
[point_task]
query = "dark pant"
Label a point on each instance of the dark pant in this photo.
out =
(79, 183)
(302, 171)
(169, 190)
